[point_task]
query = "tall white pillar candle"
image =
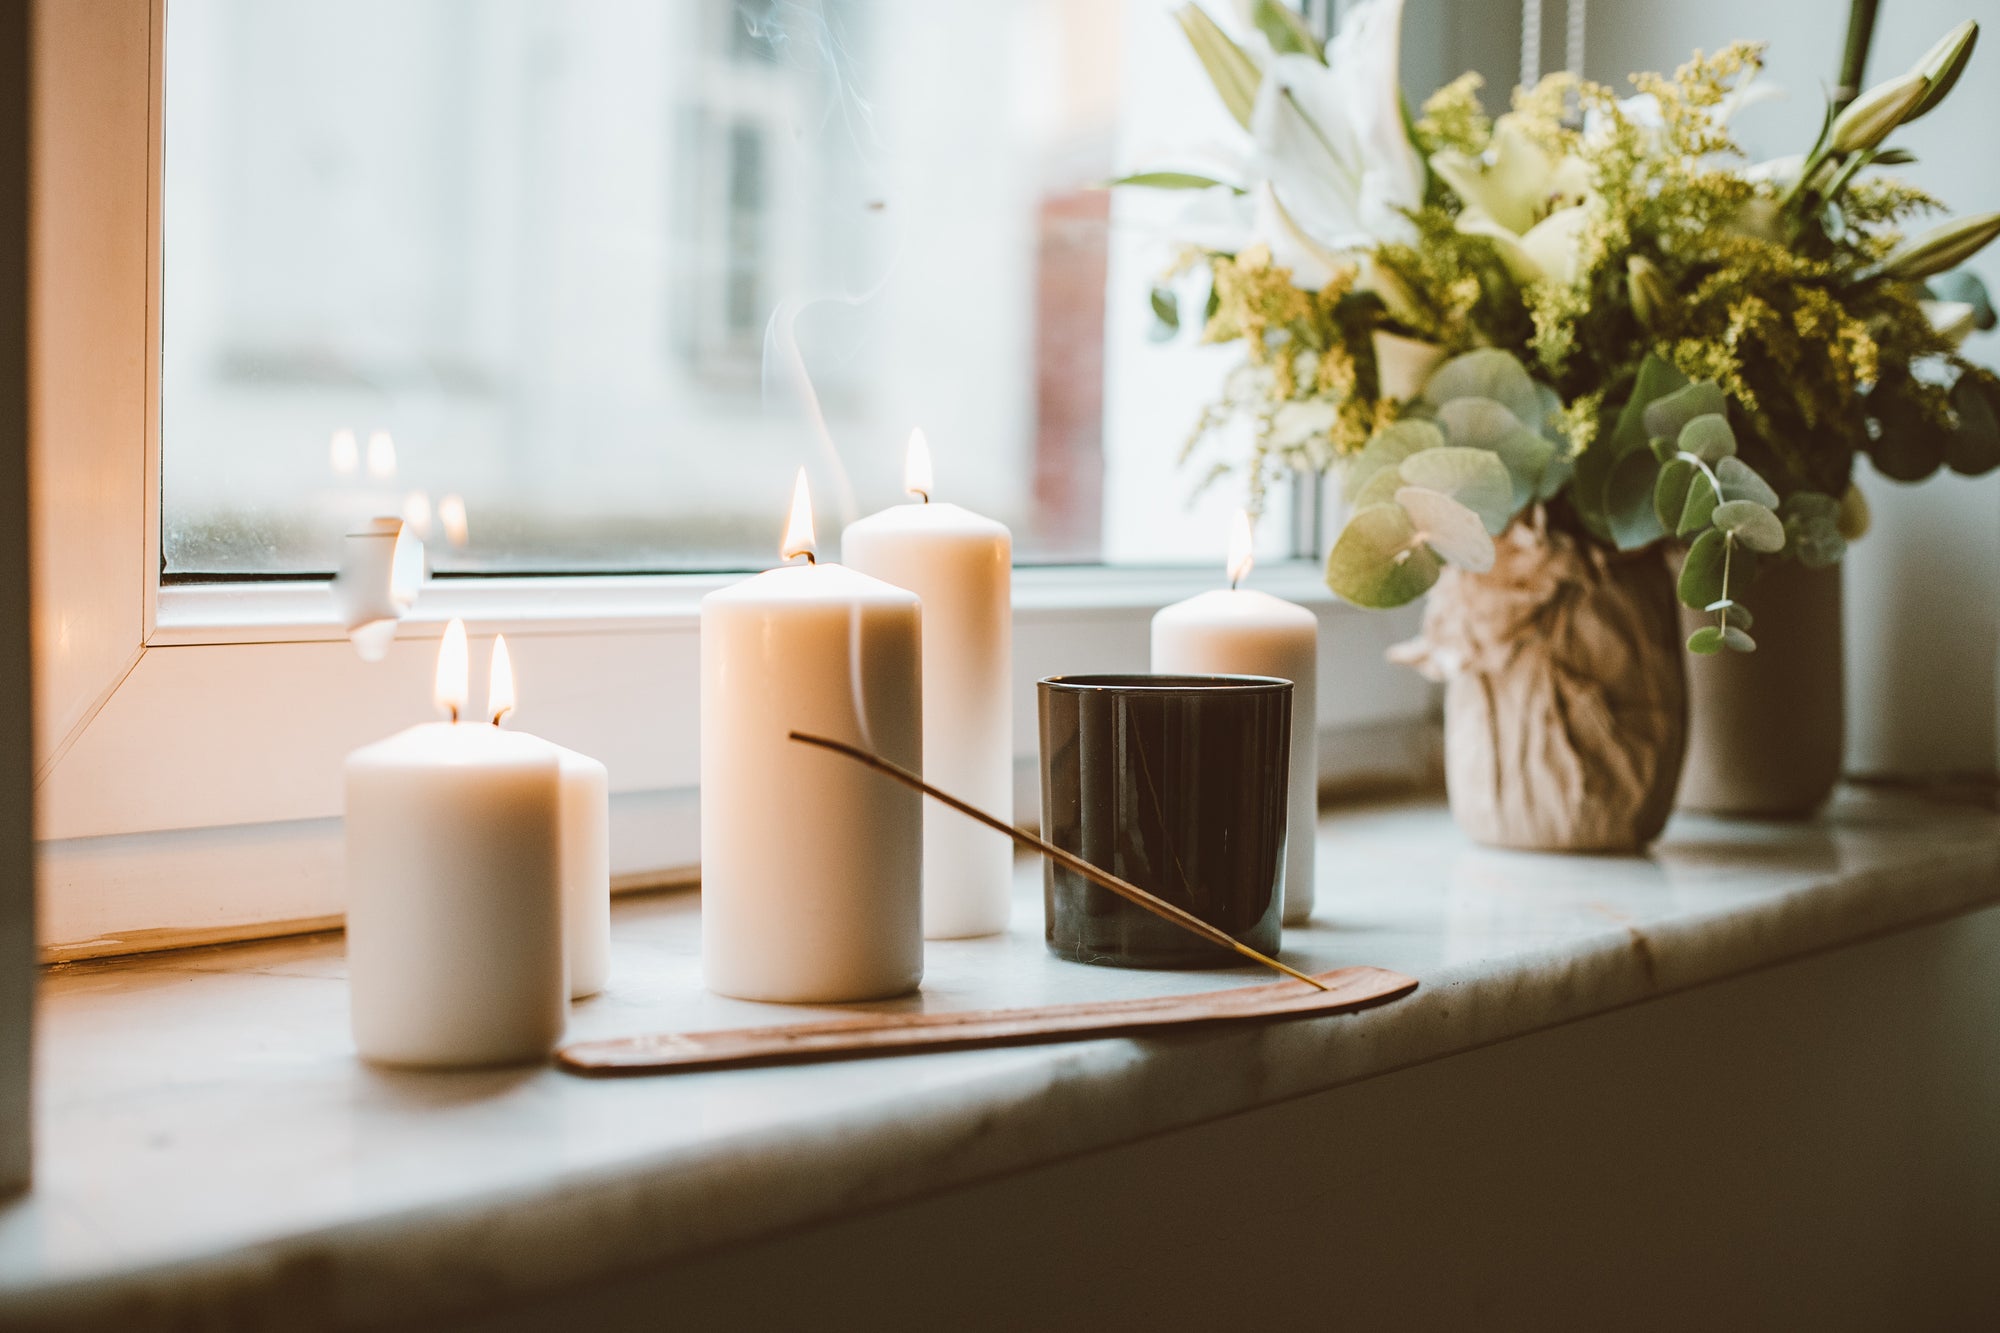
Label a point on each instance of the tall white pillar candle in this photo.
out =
(454, 911)
(811, 864)
(961, 565)
(1240, 631)
(586, 843)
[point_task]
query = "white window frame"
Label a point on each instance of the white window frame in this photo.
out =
(189, 738)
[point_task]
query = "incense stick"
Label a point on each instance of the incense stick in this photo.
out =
(1103, 879)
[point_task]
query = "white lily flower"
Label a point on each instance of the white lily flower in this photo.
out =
(1331, 137)
(1312, 265)
(1532, 205)
(1329, 140)
(1216, 219)
(1954, 320)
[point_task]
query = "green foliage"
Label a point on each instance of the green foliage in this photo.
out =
(1379, 559)
(1286, 29)
(1435, 491)
(1233, 73)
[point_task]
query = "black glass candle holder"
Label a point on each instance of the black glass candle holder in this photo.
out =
(1175, 784)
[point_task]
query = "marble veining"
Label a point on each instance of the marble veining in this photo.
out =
(208, 1144)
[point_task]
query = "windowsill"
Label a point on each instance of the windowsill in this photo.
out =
(207, 1136)
(290, 612)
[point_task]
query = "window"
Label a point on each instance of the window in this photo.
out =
(598, 273)
(264, 223)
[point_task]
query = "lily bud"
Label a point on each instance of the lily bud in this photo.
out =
(1853, 520)
(1651, 294)
(1942, 65)
(1397, 298)
(1873, 116)
(1941, 248)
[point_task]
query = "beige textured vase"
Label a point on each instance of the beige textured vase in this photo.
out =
(1767, 729)
(1565, 698)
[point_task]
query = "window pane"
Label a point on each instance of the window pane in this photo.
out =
(582, 266)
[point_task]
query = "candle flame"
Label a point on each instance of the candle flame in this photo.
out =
(917, 466)
(799, 531)
(451, 513)
(381, 455)
(1241, 548)
(345, 453)
(454, 671)
(500, 682)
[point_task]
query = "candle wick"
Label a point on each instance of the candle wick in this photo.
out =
(1234, 579)
(502, 713)
(811, 559)
(454, 711)
(925, 496)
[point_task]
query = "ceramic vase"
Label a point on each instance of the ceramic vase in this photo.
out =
(1767, 729)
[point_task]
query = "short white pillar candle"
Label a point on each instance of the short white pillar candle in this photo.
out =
(586, 871)
(454, 897)
(1241, 631)
(811, 864)
(586, 843)
(961, 565)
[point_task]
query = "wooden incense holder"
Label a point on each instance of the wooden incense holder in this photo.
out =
(1345, 989)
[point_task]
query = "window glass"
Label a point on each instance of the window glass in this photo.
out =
(577, 285)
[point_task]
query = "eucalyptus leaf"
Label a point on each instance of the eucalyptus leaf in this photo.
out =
(1962, 284)
(1487, 423)
(1699, 511)
(1741, 482)
(1550, 404)
(1706, 641)
(1754, 525)
(1810, 506)
(1166, 314)
(1386, 448)
(1738, 615)
(1909, 445)
(1381, 488)
(1815, 545)
(1737, 641)
(1656, 379)
(1487, 372)
(1628, 501)
(1554, 477)
(1449, 528)
(1670, 492)
(1973, 446)
(1707, 437)
(1701, 572)
(1473, 477)
(1669, 414)
(1377, 561)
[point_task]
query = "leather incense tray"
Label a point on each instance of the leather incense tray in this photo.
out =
(1347, 988)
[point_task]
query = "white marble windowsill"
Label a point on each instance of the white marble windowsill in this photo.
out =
(210, 1149)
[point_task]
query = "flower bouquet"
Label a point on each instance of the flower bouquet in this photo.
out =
(1576, 363)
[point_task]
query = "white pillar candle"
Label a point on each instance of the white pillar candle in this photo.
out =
(811, 864)
(586, 871)
(1240, 631)
(961, 565)
(454, 897)
(586, 843)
